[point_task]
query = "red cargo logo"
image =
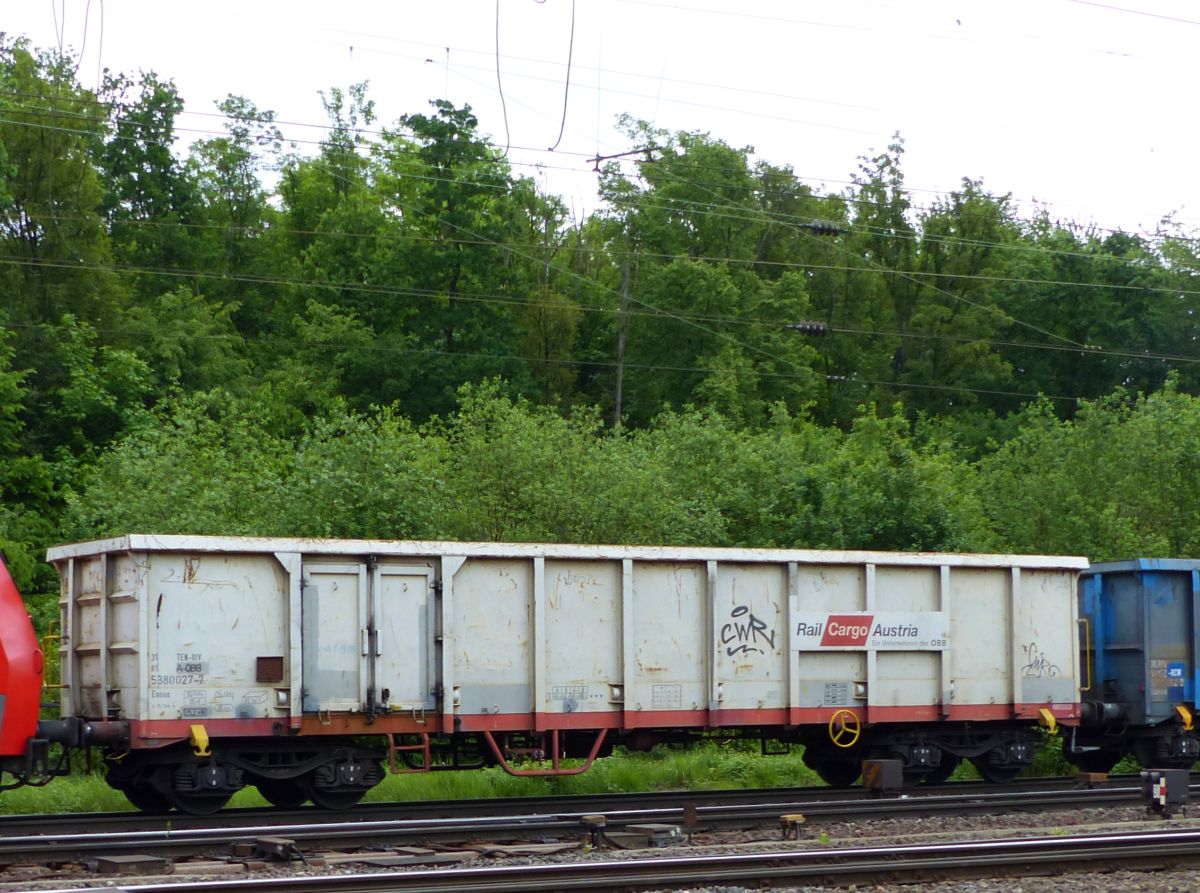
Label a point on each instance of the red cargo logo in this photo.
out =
(847, 630)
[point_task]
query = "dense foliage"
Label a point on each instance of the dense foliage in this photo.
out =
(393, 335)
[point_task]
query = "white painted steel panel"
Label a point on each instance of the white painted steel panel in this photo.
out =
(493, 631)
(913, 677)
(211, 618)
(752, 638)
(671, 641)
(88, 636)
(831, 678)
(583, 635)
(124, 628)
(979, 634)
(1047, 644)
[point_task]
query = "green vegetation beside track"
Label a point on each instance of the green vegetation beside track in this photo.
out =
(709, 766)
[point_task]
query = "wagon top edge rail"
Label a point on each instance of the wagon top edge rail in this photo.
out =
(137, 542)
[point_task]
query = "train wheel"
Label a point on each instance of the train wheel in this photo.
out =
(197, 804)
(995, 774)
(837, 773)
(136, 783)
(146, 798)
(1158, 753)
(333, 798)
(286, 793)
(938, 774)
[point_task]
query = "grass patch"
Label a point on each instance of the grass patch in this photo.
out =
(73, 793)
(711, 765)
(708, 766)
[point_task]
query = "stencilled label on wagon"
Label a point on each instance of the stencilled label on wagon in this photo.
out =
(837, 694)
(870, 631)
(567, 692)
(188, 669)
(1160, 679)
(222, 702)
(666, 697)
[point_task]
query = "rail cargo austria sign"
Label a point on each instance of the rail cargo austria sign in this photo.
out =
(870, 630)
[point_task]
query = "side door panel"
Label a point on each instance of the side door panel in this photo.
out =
(335, 624)
(403, 606)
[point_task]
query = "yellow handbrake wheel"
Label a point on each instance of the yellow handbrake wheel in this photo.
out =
(845, 728)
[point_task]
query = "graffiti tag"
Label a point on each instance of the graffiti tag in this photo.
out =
(745, 633)
(1037, 665)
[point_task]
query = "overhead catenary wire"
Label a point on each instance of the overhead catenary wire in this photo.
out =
(807, 23)
(952, 295)
(1140, 12)
(499, 84)
(751, 214)
(679, 161)
(962, 298)
(650, 76)
(718, 334)
(617, 253)
(905, 189)
(748, 215)
(511, 300)
(100, 48)
(567, 86)
(811, 375)
(957, 297)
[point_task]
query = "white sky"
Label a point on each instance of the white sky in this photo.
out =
(1082, 106)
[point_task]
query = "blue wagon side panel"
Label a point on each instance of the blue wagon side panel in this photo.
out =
(1143, 617)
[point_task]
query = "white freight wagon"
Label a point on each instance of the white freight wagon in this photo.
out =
(261, 661)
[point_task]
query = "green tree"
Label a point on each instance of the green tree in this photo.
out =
(88, 394)
(150, 203)
(28, 500)
(462, 232)
(1120, 479)
(185, 341)
(235, 214)
(52, 234)
(200, 464)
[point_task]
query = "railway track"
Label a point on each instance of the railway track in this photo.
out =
(567, 818)
(648, 802)
(1007, 857)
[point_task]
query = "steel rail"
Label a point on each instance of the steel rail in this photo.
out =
(117, 822)
(350, 832)
(891, 864)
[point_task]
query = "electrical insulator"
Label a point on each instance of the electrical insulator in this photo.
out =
(810, 327)
(823, 228)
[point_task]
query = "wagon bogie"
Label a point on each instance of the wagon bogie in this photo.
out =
(930, 752)
(332, 773)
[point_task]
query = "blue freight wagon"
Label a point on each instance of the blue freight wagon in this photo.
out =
(1139, 627)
